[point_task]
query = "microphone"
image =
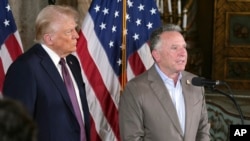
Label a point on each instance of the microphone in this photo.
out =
(200, 81)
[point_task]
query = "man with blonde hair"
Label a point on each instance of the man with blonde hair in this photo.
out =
(47, 78)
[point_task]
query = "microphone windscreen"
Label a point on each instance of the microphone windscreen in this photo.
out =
(197, 81)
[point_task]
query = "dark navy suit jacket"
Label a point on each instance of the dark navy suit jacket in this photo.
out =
(34, 80)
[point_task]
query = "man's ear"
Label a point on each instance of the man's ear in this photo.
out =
(47, 38)
(156, 55)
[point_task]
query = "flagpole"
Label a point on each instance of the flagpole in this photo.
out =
(124, 24)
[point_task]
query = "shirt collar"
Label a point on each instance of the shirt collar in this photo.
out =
(55, 58)
(164, 77)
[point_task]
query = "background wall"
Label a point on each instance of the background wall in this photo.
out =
(25, 12)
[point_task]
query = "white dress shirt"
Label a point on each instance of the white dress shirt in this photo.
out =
(176, 95)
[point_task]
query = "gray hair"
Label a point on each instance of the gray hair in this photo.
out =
(154, 39)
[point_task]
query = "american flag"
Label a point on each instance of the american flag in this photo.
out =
(99, 51)
(11, 46)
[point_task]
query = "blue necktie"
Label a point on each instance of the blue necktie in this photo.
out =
(70, 87)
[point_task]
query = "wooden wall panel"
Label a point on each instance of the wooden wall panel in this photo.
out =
(231, 43)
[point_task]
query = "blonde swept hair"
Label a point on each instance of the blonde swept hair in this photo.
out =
(49, 15)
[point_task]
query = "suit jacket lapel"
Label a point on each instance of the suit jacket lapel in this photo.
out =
(76, 71)
(163, 96)
(74, 67)
(187, 93)
(52, 71)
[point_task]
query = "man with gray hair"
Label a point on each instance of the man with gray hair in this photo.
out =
(161, 104)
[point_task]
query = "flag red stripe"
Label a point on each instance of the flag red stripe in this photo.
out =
(13, 47)
(94, 135)
(136, 64)
(95, 80)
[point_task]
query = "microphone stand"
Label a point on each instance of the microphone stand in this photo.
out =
(230, 96)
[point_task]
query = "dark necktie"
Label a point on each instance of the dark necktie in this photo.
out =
(70, 87)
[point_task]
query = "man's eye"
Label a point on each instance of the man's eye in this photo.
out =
(174, 48)
(69, 32)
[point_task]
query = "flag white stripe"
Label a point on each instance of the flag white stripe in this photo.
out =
(130, 73)
(145, 55)
(6, 58)
(109, 78)
(99, 56)
(101, 124)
